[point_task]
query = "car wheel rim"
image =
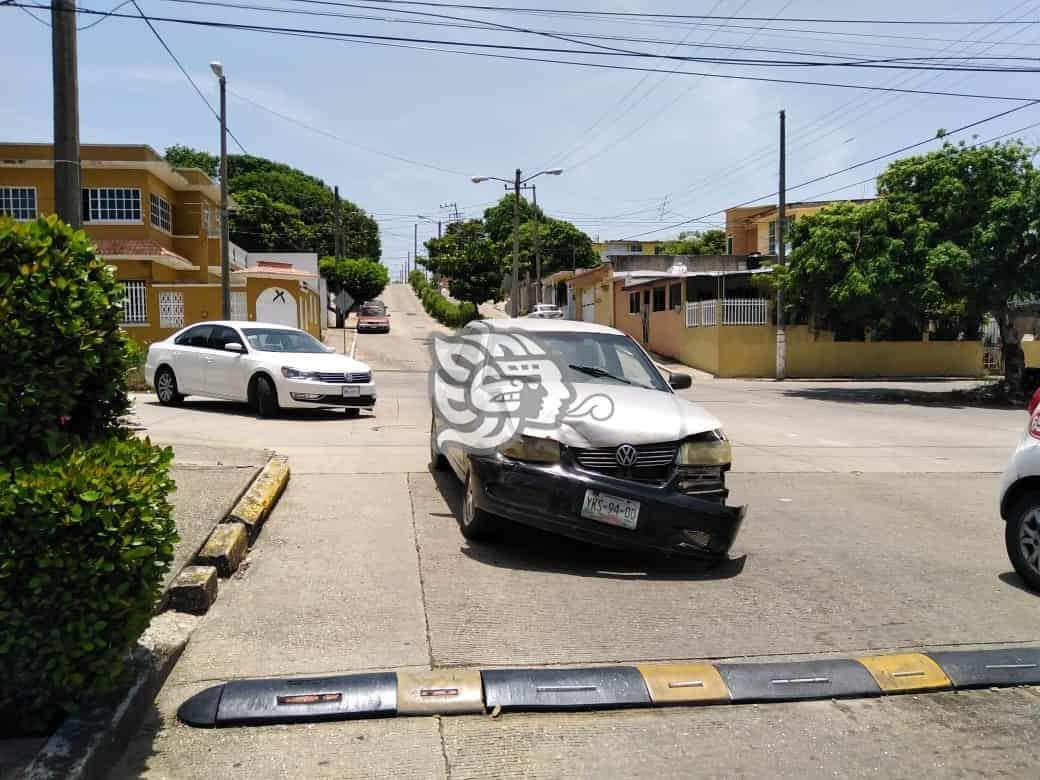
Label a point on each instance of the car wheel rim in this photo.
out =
(165, 388)
(1029, 539)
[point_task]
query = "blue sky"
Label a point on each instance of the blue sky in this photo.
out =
(640, 151)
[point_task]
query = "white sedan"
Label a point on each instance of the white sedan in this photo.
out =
(268, 366)
(1020, 501)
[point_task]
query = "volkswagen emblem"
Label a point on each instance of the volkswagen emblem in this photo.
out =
(626, 455)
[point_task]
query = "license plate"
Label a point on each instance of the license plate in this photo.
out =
(350, 391)
(612, 510)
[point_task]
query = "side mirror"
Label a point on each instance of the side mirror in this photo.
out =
(679, 381)
(234, 346)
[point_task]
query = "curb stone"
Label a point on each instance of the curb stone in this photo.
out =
(260, 497)
(87, 744)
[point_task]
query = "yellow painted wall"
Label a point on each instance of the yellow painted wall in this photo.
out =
(746, 351)
(1032, 353)
(699, 347)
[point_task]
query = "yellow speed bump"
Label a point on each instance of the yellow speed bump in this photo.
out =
(439, 692)
(684, 684)
(906, 672)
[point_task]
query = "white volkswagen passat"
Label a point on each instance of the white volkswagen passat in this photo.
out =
(268, 366)
(1020, 501)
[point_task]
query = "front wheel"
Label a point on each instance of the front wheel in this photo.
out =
(166, 387)
(1022, 538)
(266, 398)
(475, 523)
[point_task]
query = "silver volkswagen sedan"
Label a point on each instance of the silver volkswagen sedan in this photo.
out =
(570, 427)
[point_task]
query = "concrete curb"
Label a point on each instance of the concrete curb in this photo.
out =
(260, 497)
(86, 745)
(447, 692)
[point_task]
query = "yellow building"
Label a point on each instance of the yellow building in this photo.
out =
(751, 230)
(159, 227)
(607, 249)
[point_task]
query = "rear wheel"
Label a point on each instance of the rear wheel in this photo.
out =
(1022, 538)
(475, 523)
(166, 387)
(266, 397)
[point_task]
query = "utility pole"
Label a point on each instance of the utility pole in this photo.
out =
(781, 337)
(68, 193)
(537, 248)
(515, 291)
(338, 237)
(225, 249)
(415, 241)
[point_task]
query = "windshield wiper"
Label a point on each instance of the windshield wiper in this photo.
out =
(599, 372)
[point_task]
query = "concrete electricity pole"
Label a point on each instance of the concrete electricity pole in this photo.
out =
(68, 193)
(225, 249)
(537, 248)
(781, 337)
(338, 238)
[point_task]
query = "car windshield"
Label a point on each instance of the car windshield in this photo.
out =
(600, 358)
(282, 340)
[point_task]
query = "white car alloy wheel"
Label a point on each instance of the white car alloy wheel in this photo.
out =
(166, 387)
(1029, 539)
(1022, 538)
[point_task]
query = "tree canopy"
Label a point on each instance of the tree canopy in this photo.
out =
(470, 260)
(709, 242)
(308, 196)
(953, 236)
(362, 279)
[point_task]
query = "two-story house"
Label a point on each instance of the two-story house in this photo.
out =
(159, 227)
(751, 230)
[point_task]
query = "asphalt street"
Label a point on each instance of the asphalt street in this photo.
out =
(872, 526)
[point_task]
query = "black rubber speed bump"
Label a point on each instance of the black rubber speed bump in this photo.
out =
(828, 679)
(288, 700)
(983, 668)
(565, 689)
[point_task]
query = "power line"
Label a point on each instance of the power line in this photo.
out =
(848, 168)
(179, 65)
(96, 22)
(342, 140)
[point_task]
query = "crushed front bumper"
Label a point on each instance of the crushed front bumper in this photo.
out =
(550, 497)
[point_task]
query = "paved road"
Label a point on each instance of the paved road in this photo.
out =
(872, 527)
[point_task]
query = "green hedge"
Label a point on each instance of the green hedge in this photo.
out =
(437, 306)
(63, 358)
(85, 539)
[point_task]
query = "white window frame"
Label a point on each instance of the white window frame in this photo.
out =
(91, 195)
(156, 202)
(135, 302)
(7, 195)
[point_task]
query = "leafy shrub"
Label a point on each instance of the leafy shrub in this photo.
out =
(417, 279)
(136, 354)
(85, 539)
(62, 355)
(444, 311)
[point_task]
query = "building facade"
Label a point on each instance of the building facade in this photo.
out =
(751, 230)
(158, 226)
(608, 249)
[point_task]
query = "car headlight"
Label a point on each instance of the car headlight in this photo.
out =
(532, 448)
(295, 373)
(706, 449)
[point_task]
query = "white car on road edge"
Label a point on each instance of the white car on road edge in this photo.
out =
(268, 366)
(1020, 501)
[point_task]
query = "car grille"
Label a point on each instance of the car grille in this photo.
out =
(357, 377)
(653, 463)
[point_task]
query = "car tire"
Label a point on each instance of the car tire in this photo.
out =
(352, 411)
(1022, 538)
(437, 460)
(166, 387)
(476, 524)
(266, 398)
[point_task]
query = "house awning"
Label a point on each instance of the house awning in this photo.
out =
(142, 249)
(633, 283)
(267, 269)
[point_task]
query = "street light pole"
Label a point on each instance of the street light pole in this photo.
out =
(68, 195)
(537, 248)
(225, 249)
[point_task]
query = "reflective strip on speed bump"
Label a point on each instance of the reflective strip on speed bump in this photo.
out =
(906, 672)
(439, 692)
(684, 684)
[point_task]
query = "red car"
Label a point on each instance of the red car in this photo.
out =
(373, 318)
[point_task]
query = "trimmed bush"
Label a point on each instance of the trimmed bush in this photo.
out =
(85, 539)
(63, 359)
(417, 279)
(441, 309)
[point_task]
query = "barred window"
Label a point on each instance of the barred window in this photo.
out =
(135, 302)
(18, 202)
(171, 310)
(112, 204)
(161, 212)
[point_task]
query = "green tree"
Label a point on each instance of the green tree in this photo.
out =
(709, 242)
(266, 225)
(470, 260)
(362, 279)
(186, 157)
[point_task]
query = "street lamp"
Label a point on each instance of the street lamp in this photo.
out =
(225, 258)
(516, 183)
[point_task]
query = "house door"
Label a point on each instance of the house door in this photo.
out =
(646, 316)
(277, 306)
(588, 304)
